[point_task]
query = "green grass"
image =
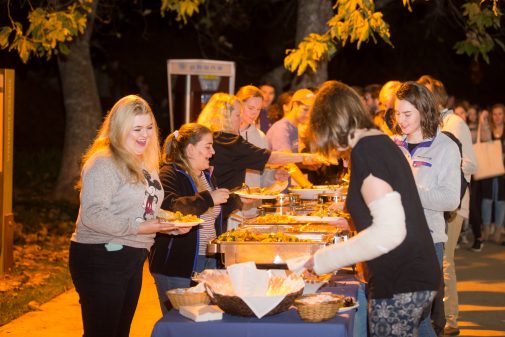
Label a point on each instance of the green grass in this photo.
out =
(41, 237)
(15, 303)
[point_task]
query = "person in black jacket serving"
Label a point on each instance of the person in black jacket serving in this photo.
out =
(234, 155)
(190, 189)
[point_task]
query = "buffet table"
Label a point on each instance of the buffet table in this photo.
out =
(284, 324)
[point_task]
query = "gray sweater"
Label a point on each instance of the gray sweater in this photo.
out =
(112, 208)
(435, 164)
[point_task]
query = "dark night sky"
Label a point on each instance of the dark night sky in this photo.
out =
(421, 47)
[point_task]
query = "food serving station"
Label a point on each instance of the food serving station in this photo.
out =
(292, 225)
(287, 323)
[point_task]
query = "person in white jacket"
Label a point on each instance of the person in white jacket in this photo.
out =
(435, 162)
(455, 125)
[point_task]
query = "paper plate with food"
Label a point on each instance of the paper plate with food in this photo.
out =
(270, 192)
(313, 282)
(311, 193)
(348, 304)
(178, 219)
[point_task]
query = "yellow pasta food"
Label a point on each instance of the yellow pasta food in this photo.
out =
(274, 218)
(186, 218)
(241, 235)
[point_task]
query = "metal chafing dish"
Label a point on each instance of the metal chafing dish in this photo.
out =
(294, 229)
(273, 254)
(265, 253)
(284, 203)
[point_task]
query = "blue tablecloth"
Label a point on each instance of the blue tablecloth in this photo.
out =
(284, 324)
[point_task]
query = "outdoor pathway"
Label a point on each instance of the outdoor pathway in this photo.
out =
(61, 317)
(481, 287)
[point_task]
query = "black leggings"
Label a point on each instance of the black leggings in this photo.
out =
(108, 284)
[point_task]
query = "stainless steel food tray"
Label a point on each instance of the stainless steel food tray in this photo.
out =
(263, 252)
(290, 229)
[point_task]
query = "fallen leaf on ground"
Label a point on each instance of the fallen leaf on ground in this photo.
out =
(36, 279)
(34, 305)
(8, 284)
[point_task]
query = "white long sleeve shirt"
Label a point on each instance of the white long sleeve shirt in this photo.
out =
(455, 125)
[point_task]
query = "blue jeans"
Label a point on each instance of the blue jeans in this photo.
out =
(499, 207)
(360, 317)
(165, 283)
(425, 328)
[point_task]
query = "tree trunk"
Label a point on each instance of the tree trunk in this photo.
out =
(312, 18)
(280, 77)
(82, 111)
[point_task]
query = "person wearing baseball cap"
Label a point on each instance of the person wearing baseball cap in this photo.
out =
(283, 135)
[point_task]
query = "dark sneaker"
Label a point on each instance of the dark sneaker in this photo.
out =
(450, 331)
(477, 246)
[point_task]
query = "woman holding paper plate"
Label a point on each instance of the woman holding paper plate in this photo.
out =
(120, 198)
(393, 238)
(190, 189)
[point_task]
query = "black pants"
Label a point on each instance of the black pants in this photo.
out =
(475, 208)
(108, 284)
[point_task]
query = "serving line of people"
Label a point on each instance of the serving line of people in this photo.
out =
(121, 192)
(396, 204)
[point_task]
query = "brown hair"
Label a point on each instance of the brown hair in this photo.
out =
(437, 88)
(337, 112)
(422, 99)
(496, 106)
(174, 147)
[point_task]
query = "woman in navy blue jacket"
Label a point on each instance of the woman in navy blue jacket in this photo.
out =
(190, 189)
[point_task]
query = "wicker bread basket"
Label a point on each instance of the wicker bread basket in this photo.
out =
(317, 312)
(186, 298)
(234, 305)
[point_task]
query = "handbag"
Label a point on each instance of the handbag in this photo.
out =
(489, 158)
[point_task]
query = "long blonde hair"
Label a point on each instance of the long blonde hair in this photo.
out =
(216, 115)
(113, 132)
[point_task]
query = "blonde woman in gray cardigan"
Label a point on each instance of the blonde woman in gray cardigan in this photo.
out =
(435, 161)
(120, 196)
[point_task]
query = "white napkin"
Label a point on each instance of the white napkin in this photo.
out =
(312, 288)
(201, 313)
(251, 285)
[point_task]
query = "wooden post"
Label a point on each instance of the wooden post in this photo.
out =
(6, 157)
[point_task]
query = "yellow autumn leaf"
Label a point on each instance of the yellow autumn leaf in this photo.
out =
(5, 32)
(23, 47)
(34, 305)
(7, 284)
(292, 60)
(37, 279)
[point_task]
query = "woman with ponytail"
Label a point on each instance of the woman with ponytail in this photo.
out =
(189, 189)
